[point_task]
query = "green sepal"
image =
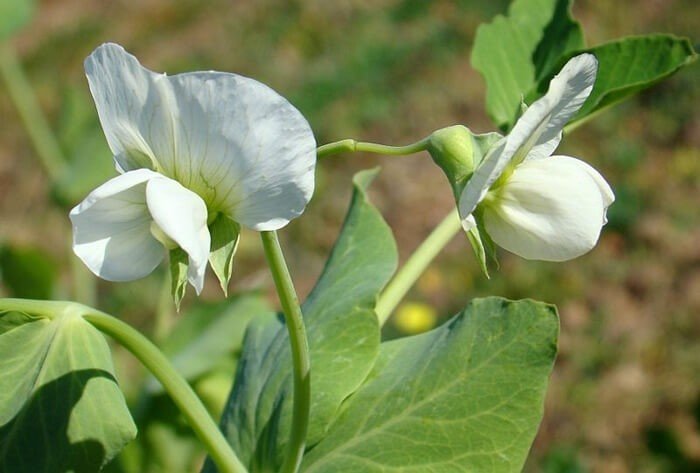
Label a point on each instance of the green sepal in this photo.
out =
(482, 244)
(178, 275)
(225, 235)
(452, 149)
(458, 152)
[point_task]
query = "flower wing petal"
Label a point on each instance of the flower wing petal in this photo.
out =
(551, 209)
(182, 215)
(111, 229)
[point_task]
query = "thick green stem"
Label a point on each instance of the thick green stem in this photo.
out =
(351, 145)
(22, 95)
(300, 351)
(416, 264)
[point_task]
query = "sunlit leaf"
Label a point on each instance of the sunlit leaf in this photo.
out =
(343, 336)
(632, 64)
(60, 406)
(514, 51)
(466, 397)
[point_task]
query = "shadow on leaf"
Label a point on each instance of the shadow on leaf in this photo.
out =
(38, 439)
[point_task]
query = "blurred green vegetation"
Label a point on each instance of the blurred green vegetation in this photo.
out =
(625, 394)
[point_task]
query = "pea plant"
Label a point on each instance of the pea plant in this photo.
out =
(202, 155)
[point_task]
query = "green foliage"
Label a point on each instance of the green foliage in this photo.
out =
(208, 335)
(225, 234)
(89, 160)
(14, 14)
(541, 36)
(465, 397)
(27, 272)
(60, 406)
(513, 52)
(343, 335)
(632, 64)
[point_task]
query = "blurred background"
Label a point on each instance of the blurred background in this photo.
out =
(625, 393)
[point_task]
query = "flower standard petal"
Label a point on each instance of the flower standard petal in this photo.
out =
(182, 216)
(234, 141)
(551, 209)
(111, 229)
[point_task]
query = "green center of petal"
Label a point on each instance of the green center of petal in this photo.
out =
(160, 235)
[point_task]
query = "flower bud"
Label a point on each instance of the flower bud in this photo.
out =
(452, 149)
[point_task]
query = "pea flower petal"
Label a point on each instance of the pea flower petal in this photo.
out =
(550, 209)
(537, 205)
(244, 149)
(118, 230)
(538, 131)
(188, 147)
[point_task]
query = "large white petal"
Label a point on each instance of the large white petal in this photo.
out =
(234, 141)
(182, 216)
(111, 229)
(550, 209)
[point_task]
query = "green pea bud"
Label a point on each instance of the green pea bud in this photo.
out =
(452, 149)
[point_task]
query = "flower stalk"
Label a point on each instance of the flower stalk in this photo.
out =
(300, 351)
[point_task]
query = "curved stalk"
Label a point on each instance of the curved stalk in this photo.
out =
(300, 351)
(409, 273)
(351, 145)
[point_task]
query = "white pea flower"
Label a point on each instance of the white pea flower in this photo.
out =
(189, 148)
(531, 203)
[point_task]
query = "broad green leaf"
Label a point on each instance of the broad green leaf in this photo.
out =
(60, 406)
(513, 52)
(632, 64)
(14, 14)
(225, 234)
(27, 272)
(465, 397)
(178, 275)
(208, 335)
(343, 336)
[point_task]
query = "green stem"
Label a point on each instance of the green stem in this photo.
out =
(416, 264)
(351, 145)
(300, 351)
(152, 358)
(22, 95)
(179, 390)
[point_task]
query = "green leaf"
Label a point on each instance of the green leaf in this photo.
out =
(209, 334)
(14, 14)
(343, 335)
(27, 272)
(225, 234)
(465, 397)
(632, 64)
(178, 275)
(514, 51)
(60, 406)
